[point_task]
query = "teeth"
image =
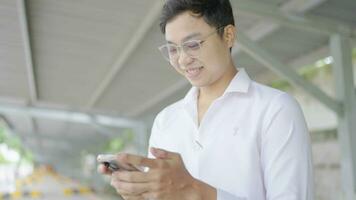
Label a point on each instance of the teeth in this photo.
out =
(194, 71)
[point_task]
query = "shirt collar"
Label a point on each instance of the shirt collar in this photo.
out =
(191, 96)
(240, 83)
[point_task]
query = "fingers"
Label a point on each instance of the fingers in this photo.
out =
(136, 160)
(132, 189)
(133, 177)
(158, 153)
(163, 154)
(127, 196)
(133, 185)
(102, 169)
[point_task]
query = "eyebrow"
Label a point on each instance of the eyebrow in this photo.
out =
(193, 35)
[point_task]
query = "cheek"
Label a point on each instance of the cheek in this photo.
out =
(215, 52)
(215, 58)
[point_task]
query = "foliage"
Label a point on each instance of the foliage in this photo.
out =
(308, 72)
(14, 143)
(118, 144)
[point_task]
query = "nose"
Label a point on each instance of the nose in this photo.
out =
(184, 59)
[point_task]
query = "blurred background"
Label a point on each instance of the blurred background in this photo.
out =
(84, 77)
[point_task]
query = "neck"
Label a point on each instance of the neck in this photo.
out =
(218, 88)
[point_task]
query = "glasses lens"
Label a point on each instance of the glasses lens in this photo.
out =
(192, 48)
(170, 52)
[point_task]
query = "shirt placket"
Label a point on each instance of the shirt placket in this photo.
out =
(207, 123)
(203, 133)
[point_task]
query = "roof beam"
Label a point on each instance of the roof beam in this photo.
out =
(25, 33)
(269, 60)
(69, 116)
(13, 101)
(21, 5)
(310, 23)
(310, 58)
(295, 63)
(300, 6)
(132, 45)
(265, 28)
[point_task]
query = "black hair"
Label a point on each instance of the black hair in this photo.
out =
(216, 13)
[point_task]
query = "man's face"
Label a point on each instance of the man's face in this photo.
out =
(214, 57)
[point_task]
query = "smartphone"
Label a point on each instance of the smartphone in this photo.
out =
(109, 160)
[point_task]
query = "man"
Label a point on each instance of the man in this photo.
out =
(229, 138)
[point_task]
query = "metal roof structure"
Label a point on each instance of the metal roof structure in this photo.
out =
(66, 64)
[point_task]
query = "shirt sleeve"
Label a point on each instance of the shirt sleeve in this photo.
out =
(286, 152)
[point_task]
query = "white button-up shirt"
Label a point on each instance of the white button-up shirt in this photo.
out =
(252, 143)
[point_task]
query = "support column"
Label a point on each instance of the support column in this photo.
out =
(341, 51)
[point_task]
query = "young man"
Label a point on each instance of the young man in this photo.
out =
(229, 138)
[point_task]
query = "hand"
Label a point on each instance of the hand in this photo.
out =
(124, 194)
(167, 178)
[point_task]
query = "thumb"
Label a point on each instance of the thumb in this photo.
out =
(161, 153)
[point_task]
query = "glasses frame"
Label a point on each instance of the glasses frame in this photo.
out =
(181, 48)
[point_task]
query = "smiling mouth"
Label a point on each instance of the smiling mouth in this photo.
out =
(193, 72)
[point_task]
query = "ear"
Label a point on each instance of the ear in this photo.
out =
(230, 35)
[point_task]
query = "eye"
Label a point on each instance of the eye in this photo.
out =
(172, 50)
(192, 45)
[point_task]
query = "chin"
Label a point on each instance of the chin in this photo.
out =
(197, 83)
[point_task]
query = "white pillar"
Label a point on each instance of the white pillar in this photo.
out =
(344, 84)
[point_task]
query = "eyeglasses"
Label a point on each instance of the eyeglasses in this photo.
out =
(171, 52)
